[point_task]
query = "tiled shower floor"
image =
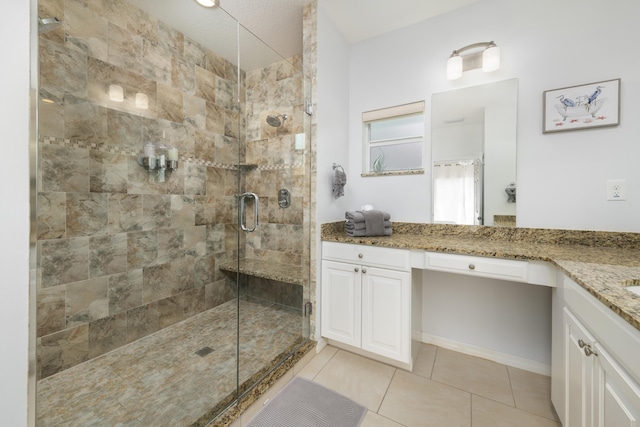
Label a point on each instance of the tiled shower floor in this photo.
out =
(160, 380)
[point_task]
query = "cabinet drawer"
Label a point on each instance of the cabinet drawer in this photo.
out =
(477, 266)
(375, 256)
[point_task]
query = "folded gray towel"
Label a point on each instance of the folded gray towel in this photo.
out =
(374, 222)
(350, 225)
(363, 233)
(358, 216)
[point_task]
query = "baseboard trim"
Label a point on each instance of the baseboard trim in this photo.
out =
(485, 353)
(321, 343)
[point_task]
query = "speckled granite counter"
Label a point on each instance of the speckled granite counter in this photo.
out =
(601, 262)
(268, 270)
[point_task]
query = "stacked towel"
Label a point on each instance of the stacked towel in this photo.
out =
(367, 223)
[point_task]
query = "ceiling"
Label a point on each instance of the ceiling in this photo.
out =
(363, 19)
(278, 23)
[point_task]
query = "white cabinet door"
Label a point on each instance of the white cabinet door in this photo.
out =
(579, 374)
(618, 394)
(341, 302)
(386, 313)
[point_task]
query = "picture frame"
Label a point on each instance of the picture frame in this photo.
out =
(586, 106)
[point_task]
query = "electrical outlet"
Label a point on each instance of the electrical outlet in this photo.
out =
(616, 189)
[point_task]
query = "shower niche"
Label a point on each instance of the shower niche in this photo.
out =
(136, 275)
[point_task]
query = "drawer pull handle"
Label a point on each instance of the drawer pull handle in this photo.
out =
(472, 267)
(360, 255)
(356, 269)
(581, 343)
(364, 270)
(588, 352)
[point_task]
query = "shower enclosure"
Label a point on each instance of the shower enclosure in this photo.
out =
(172, 212)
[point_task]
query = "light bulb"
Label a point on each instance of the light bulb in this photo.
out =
(454, 67)
(142, 101)
(491, 59)
(116, 93)
(206, 3)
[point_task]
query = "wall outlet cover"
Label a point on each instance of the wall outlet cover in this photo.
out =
(616, 190)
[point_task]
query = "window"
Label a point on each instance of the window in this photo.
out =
(394, 138)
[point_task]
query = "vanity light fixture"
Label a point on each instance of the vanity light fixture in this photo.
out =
(488, 59)
(206, 3)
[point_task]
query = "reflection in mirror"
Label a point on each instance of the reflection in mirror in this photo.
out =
(473, 152)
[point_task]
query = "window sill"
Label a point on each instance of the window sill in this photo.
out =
(393, 173)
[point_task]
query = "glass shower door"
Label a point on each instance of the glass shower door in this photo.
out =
(274, 184)
(136, 322)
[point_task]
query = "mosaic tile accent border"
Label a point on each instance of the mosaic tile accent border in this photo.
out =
(50, 140)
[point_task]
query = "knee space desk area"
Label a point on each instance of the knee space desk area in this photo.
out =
(550, 301)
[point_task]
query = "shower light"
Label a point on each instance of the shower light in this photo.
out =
(116, 93)
(488, 59)
(206, 3)
(142, 101)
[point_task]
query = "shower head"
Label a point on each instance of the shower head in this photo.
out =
(47, 24)
(275, 121)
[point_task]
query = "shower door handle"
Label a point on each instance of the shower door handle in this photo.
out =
(256, 205)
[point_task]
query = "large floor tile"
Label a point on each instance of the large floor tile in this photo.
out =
(487, 413)
(374, 420)
(423, 365)
(312, 368)
(361, 379)
(532, 392)
(473, 374)
(420, 402)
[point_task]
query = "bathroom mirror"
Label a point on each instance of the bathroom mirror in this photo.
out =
(473, 153)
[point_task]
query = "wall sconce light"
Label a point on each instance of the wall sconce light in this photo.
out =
(116, 93)
(488, 59)
(142, 101)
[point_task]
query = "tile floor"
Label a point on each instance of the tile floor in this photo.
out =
(159, 380)
(446, 388)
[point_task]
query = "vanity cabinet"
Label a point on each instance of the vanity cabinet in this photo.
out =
(366, 299)
(599, 356)
(580, 372)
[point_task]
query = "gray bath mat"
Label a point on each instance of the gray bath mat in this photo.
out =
(303, 403)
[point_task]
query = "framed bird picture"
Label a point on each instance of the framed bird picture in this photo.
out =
(582, 107)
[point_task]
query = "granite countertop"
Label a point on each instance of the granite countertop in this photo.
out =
(268, 270)
(600, 262)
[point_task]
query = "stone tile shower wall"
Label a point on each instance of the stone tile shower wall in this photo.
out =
(277, 90)
(119, 255)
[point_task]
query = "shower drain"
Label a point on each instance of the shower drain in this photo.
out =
(204, 351)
